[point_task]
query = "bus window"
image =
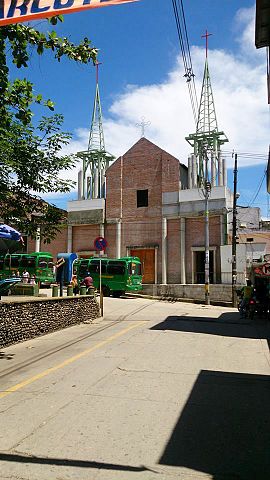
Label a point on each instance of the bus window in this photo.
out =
(42, 263)
(14, 262)
(24, 262)
(134, 268)
(51, 265)
(31, 262)
(94, 267)
(116, 268)
(7, 261)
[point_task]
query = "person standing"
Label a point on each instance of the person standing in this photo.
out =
(87, 281)
(25, 276)
(247, 293)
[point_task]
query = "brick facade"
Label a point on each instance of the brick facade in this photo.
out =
(59, 244)
(130, 227)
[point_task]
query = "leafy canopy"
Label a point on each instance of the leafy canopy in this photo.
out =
(30, 158)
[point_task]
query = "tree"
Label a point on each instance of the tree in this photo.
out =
(30, 158)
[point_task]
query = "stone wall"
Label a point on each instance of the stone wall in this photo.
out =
(22, 320)
(218, 293)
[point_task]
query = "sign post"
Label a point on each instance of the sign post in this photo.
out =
(100, 244)
(100, 290)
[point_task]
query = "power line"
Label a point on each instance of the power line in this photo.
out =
(259, 188)
(181, 26)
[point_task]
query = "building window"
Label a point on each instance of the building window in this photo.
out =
(142, 198)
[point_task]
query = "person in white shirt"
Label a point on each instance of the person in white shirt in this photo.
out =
(25, 276)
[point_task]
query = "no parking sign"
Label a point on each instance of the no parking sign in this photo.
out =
(100, 244)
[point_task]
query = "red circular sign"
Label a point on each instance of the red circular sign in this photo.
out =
(100, 243)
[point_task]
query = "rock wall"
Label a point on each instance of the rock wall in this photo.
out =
(22, 320)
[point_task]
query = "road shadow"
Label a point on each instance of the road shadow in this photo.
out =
(6, 356)
(224, 428)
(9, 457)
(226, 325)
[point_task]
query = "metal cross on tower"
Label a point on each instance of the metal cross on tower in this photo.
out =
(91, 182)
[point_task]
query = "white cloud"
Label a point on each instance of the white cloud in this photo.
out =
(239, 88)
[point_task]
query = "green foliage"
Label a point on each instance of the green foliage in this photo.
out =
(30, 159)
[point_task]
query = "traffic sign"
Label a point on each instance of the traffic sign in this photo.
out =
(100, 243)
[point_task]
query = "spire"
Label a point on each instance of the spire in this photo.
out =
(207, 139)
(95, 161)
(96, 137)
(207, 120)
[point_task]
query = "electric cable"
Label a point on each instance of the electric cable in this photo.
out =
(181, 26)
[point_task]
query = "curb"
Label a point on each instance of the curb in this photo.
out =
(183, 300)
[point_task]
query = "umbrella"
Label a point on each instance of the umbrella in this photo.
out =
(10, 239)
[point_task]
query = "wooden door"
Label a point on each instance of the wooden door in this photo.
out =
(147, 258)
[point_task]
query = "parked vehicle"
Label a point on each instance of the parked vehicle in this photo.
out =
(7, 284)
(40, 265)
(117, 275)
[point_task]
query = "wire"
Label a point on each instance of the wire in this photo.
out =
(181, 26)
(259, 188)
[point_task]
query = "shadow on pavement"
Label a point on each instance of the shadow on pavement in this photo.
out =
(8, 457)
(226, 325)
(224, 428)
(6, 356)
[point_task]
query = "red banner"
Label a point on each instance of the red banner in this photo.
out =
(15, 11)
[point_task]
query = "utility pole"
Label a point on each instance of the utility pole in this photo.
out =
(207, 190)
(234, 233)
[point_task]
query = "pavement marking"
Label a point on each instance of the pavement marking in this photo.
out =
(70, 360)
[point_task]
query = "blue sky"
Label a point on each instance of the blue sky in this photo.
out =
(142, 75)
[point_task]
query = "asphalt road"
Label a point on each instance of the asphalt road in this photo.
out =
(154, 390)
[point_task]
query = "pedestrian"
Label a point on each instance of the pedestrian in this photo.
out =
(87, 281)
(247, 292)
(74, 283)
(32, 279)
(25, 276)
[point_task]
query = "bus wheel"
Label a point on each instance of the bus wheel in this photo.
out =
(106, 291)
(117, 293)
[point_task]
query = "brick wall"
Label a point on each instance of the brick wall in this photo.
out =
(83, 237)
(144, 167)
(20, 321)
(59, 244)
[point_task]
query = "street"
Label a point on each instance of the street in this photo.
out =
(154, 390)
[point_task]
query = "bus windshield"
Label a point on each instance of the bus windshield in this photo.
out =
(134, 268)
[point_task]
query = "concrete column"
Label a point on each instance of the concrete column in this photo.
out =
(101, 230)
(189, 172)
(89, 193)
(118, 239)
(37, 243)
(69, 238)
(95, 195)
(194, 171)
(222, 233)
(183, 250)
(224, 171)
(213, 170)
(80, 180)
(103, 184)
(164, 250)
(156, 265)
(220, 170)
